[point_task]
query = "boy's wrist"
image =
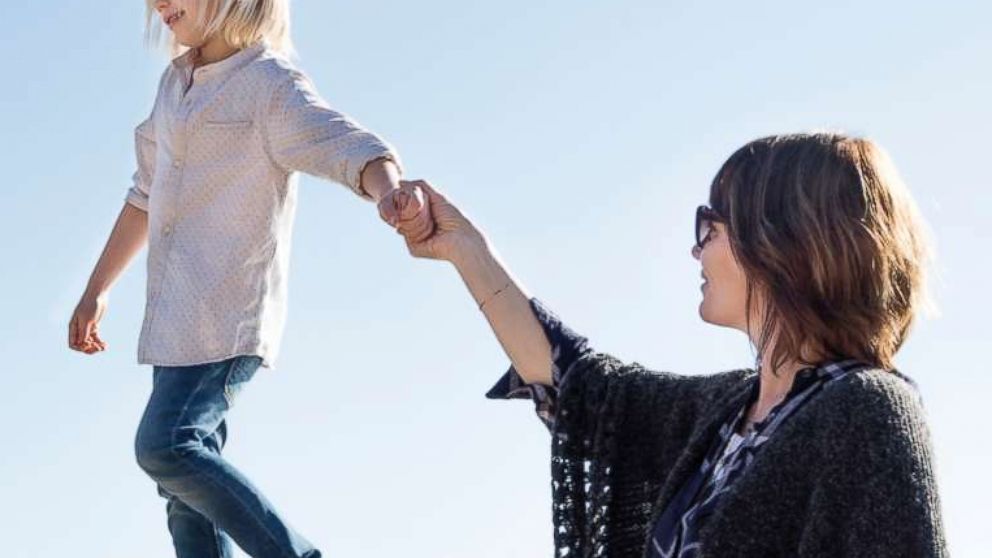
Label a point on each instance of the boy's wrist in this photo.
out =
(379, 177)
(95, 291)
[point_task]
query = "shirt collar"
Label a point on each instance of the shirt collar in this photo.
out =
(806, 377)
(184, 62)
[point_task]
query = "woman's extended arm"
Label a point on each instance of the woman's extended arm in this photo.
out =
(507, 308)
(502, 299)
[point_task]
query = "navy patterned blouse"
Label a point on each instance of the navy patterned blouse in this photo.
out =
(676, 533)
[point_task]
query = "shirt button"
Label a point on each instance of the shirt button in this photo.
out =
(167, 230)
(177, 163)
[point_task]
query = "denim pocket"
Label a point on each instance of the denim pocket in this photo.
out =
(242, 370)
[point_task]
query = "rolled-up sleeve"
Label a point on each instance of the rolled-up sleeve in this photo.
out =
(141, 180)
(302, 133)
(567, 347)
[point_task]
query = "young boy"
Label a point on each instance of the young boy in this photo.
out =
(214, 196)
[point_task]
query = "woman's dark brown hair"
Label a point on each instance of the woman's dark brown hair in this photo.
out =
(829, 236)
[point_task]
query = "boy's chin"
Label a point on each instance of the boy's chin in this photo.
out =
(188, 42)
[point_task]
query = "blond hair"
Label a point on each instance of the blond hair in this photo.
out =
(242, 23)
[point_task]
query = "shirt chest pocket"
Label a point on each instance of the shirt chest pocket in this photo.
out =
(216, 138)
(227, 125)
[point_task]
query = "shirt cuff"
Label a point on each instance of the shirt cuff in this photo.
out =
(136, 197)
(567, 347)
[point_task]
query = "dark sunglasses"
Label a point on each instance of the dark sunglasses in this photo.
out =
(705, 217)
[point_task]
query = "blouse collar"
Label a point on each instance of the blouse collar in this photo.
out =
(805, 378)
(184, 62)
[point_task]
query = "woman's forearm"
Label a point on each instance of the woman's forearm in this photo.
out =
(507, 308)
(129, 235)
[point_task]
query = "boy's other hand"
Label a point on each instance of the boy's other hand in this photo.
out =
(83, 334)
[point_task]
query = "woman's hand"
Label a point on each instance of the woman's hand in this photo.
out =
(83, 335)
(454, 235)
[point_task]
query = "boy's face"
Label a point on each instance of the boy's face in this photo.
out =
(184, 19)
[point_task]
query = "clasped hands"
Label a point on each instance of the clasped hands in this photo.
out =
(431, 225)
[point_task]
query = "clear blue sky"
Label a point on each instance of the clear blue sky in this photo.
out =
(580, 136)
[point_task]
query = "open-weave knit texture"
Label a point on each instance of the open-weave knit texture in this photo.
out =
(850, 474)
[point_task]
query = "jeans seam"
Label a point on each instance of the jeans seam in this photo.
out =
(187, 468)
(218, 544)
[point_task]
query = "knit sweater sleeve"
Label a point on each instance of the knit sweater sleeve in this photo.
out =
(619, 432)
(877, 494)
(567, 347)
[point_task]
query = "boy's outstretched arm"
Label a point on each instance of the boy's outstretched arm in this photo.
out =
(129, 235)
(303, 133)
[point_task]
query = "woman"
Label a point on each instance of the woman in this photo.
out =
(811, 246)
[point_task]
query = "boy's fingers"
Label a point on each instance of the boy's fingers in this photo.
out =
(401, 205)
(387, 211)
(79, 338)
(409, 202)
(431, 192)
(88, 331)
(421, 184)
(401, 199)
(94, 345)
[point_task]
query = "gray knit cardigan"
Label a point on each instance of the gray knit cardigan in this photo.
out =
(849, 474)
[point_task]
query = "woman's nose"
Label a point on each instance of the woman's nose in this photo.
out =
(696, 252)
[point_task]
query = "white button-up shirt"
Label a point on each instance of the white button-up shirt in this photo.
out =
(216, 174)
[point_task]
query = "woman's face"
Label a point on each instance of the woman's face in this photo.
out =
(724, 283)
(182, 17)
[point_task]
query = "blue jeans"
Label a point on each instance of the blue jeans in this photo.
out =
(179, 445)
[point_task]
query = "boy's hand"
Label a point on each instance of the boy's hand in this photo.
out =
(407, 209)
(83, 334)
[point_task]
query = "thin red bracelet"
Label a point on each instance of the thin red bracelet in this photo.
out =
(492, 296)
